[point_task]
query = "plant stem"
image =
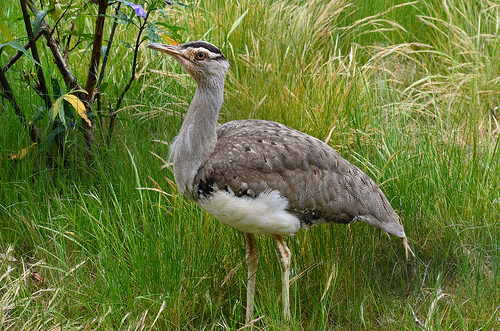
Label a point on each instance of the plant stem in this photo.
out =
(34, 51)
(95, 58)
(34, 132)
(105, 61)
(69, 79)
(96, 49)
(10, 96)
(112, 121)
(108, 48)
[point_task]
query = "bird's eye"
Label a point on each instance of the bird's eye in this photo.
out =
(200, 55)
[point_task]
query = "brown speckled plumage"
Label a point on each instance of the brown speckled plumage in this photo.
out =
(253, 156)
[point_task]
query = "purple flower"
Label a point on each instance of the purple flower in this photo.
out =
(169, 3)
(139, 10)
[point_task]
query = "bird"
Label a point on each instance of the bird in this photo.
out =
(263, 177)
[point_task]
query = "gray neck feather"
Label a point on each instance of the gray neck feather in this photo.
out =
(198, 134)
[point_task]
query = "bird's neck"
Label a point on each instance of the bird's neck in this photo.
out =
(198, 135)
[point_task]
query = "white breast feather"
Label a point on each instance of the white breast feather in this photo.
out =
(264, 214)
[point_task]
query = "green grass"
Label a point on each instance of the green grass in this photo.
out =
(409, 93)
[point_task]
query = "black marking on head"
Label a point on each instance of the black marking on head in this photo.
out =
(208, 46)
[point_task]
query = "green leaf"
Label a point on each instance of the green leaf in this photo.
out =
(5, 31)
(171, 27)
(62, 116)
(124, 2)
(163, 12)
(40, 113)
(174, 30)
(38, 20)
(181, 4)
(127, 45)
(152, 33)
(123, 19)
(103, 87)
(55, 10)
(56, 107)
(17, 46)
(51, 137)
(56, 88)
(80, 24)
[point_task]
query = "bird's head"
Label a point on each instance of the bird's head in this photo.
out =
(202, 60)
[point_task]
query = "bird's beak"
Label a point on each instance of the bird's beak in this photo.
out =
(179, 54)
(169, 49)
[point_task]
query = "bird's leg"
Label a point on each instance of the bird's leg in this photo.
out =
(285, 257)
(252, 258)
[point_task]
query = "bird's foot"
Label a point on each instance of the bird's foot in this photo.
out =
(407, 248)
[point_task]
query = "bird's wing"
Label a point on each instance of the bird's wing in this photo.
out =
(254, 156)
